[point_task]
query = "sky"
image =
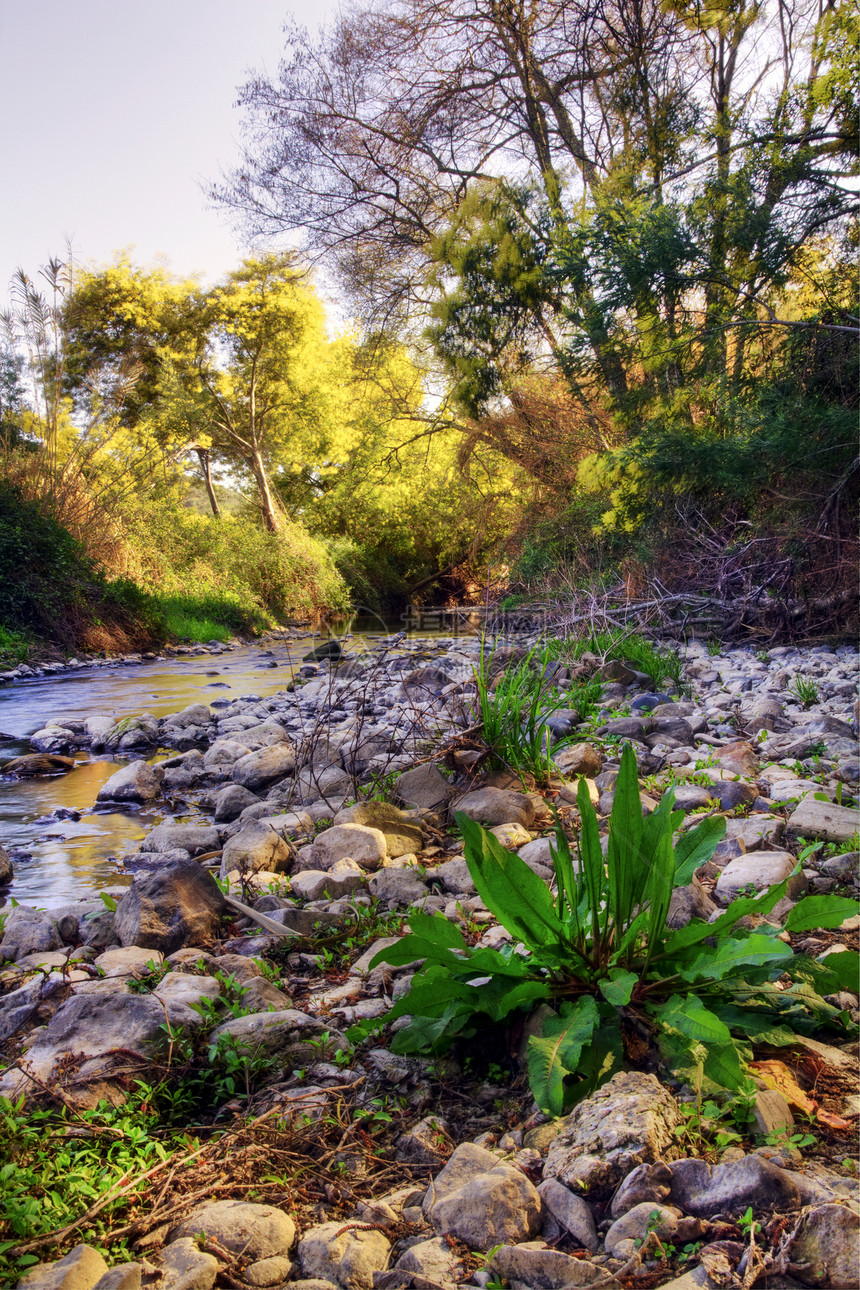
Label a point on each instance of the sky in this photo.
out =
(116, 115)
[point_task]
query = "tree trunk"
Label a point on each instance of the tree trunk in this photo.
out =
(271, 513)
(203, 457)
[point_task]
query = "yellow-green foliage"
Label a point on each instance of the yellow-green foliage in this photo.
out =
(618, 477)
(178, 552)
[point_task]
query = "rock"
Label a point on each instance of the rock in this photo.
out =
(635, 1224)
(651, 1183)
(223, 755)
(423, 786)
(690, 797)
(18, 1006)
(533, 1267)
(232, 801)
(511, 836)
(822, 820)
(824, 1248)
(402, 835)
(260, 769)
(739, 758)
(579, 759)
(328, 649)
(196, 714)
(396, 887)
(759, 870)
(434, 1259)
(496, 806)
(366, 846)
(171, 907)
(194, 838)
(185, 1267)
(627, 1122)
(254, 1231)
(254, 849)
(268, 1272)
(771, 1112)
(571, 1213)
(454, 876)
(426, 1143)
(731, 1189)
(125, 1276)
(733, 792)
(181, 994)
(136, 782)
(291, 1035)
(130, 961)
(7, 873)
(28, 931)
(688, 903)
(89, 1027)
(481, 1201)
(344, 1253)
(34, 765)
(81, 1269)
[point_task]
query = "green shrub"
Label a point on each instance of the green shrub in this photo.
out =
(602, 957)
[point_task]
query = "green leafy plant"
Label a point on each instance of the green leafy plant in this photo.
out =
(618, 983)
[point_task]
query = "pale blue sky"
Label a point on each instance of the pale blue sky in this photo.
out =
(114, 112)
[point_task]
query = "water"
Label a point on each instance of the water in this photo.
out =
(71, 857)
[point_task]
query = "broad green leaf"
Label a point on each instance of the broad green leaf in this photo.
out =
(813, 912)
(437, 928)
(696, 931)
(520, 900)
(728, 956)
(723, 1065)
(695, 848)
(555, 1054)
(756, 1026)
(625, 837)
(660, 887)
(592, 865)
(692, 1018)
(618, 988)
(845, 966)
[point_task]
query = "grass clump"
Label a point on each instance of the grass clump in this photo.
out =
(660, 663)
(514, 710)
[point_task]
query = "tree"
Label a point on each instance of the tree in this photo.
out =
(663, 168)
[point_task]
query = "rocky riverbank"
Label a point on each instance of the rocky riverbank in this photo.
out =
(272, 962)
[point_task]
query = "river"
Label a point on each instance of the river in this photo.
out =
(58, 860)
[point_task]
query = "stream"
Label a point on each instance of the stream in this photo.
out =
(57, 860)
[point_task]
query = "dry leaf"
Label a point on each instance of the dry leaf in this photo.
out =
(833, 1121)
(778, 1077)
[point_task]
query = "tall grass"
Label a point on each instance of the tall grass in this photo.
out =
(514, 709)
(659, 662)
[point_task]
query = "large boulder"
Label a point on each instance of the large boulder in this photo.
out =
(254, 1231)
(423, 786)
(88, 1037)
(823, 820)
(733, 1188)
(496, 806)
(294, 1037)
(34, 765)
(628, 1122)
(366, 846)
(196, 714)
(254, 849)
(402, 835)
(28, 931)
(136, 782)
(81, 1269)
(196, 839)
(169, 908)
(260, 769)
(481, 1201)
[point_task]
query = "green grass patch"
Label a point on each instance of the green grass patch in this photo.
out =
(14, 647)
